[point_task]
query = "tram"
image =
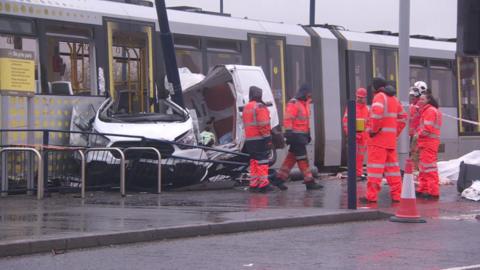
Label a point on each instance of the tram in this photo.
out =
(85, 51)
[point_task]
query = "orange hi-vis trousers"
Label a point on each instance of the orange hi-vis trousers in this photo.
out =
(428, 176)
(361, 151)
(383, 162)
(258, 174)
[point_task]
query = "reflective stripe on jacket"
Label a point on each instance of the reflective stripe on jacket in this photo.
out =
(430, 124)
(297, 116)
(256, 120)
(386, 122)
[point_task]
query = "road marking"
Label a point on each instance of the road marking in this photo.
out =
(477, 266)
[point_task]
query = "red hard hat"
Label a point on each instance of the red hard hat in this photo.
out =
(361, 92)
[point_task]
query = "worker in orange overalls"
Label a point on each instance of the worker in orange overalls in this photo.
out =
(416, 90)
(361, 135)
(386, 122)
(258, 139)
(428, 133)
(297, 132)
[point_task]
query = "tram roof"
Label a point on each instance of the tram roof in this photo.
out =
(418, 47)
(181, 22)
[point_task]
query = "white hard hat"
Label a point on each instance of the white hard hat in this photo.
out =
(421, 86)
(414, 91)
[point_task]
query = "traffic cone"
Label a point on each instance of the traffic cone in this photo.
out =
(407, 212)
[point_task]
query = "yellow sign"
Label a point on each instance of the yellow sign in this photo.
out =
(17, 72)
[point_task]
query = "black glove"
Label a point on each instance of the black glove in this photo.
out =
(288, 136)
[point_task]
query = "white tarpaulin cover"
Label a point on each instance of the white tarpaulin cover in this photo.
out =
(473, 192)
(450, 169)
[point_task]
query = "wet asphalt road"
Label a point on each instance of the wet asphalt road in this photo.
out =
(442, 242)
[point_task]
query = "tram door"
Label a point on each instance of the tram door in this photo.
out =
(269, 53)
(130, 61)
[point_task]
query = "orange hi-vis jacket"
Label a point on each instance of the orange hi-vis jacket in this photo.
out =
(256, 119)
(430, 124)
(386, 122)
(413, 119)
(361, 114)
(297, 116)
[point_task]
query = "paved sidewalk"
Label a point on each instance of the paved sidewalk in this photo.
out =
(104, 218)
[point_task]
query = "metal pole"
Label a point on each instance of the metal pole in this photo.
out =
(352, 155)
(169, 52)
(404, 71)
(221, 6)
(312, 12)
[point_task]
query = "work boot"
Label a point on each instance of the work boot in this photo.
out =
(311, 185)
(278, 183)
(265, 189)
(432, 197)
(421, 195)
(364, 200)
(253, 189)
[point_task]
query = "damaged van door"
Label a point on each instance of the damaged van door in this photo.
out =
(218, 100)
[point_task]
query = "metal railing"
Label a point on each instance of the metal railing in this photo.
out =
(159, 156)
(40, 182)
(83, 164)
(122, 163)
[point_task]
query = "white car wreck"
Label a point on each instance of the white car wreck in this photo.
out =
(213, 105)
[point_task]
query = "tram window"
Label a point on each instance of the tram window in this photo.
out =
(379, 63)
(223, 45)
(24, 44)
(296, 70)
(358, 71)
(217, 58)
(69, 61)
(392, 64)
(186, 42)
(418, 73)
(11, 25)
(467, 73)
(190, 59)
(385, 64)
(441, 83)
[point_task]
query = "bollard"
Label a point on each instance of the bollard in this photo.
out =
(352, 155)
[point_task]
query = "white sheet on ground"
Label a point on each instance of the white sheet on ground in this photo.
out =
(473, 192)
(450, 169)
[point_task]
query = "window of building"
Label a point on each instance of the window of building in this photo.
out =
(468, 93)
(70, 65)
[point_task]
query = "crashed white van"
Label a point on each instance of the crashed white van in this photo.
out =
(214, 104)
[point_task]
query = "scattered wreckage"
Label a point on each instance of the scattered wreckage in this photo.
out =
(202, 142)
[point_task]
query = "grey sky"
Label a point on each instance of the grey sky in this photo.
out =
(428, 17)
